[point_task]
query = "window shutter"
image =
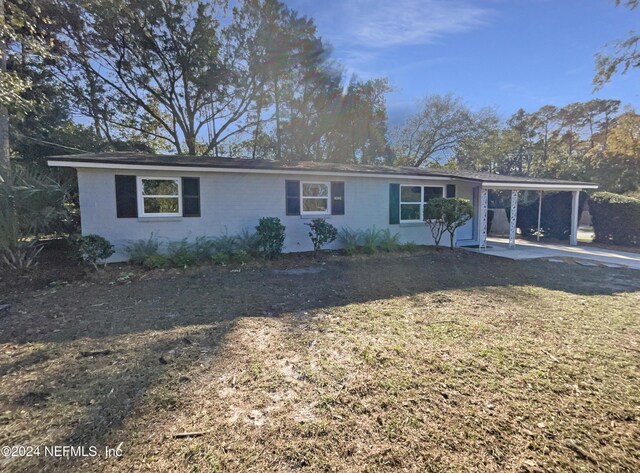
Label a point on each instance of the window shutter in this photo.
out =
(126, 197)
(394, 204)
(292, 189)
(190, 196)
(451, 190)
(337, 198)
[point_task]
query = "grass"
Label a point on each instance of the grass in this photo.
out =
(438, 361)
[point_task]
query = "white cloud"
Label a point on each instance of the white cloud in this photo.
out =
(385, 23)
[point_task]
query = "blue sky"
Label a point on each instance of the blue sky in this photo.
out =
(506, 54)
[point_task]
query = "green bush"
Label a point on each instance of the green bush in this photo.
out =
(388, 242)
(181, 253)
(221, 258)
(240, 256)
(156, 262)
(204, 247)
(140, 250)
(225, 244)
(409, 247)
(350, 240)
(370, 240)
(555, 220)
(322, 232)
(270, 236)
(94, 248)
(248, 242)
(616, 218)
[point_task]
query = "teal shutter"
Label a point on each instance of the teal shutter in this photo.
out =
(394, 204)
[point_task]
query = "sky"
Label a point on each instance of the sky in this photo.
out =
(505, 54)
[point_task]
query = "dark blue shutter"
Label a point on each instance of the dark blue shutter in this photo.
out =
(126, 197)
(292, 190)
(394, 204)
(337, 198)
(190, 196)
(451, 190)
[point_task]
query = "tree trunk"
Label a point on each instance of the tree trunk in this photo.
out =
(258, 117)
(5, 165)
(276, 97)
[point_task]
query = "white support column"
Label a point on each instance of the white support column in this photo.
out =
(575, 203)
(484, 208)
(514, 217)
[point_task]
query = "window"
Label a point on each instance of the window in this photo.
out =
(412, 200)
(315, 198)
(159, 197)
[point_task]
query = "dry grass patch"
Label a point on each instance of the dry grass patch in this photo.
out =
(442, 362)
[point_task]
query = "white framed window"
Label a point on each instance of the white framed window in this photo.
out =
(159, 196)
(315, 198)
(413, 200)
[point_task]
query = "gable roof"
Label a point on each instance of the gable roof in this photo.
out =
(133, 160)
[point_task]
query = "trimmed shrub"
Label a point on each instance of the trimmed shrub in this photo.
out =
(388, 242)
(140, 250)
(322, 232)
(181, 253)
(350, 240)
(555, 220)
(156, 262)
(94, 248)
(270, 236)
(616, 218)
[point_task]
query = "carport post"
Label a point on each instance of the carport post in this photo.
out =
(484, 209)
(575, 202)
(513, 220)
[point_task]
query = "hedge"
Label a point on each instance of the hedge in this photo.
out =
(555, 220)
(616, 218)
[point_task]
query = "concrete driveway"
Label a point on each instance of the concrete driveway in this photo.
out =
(584, 255)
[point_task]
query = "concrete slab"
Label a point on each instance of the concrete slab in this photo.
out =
(526, 250)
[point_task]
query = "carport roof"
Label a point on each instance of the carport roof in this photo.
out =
(141, 161)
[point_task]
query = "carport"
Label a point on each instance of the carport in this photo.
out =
(517, 185)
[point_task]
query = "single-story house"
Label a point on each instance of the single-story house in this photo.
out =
(126, 196)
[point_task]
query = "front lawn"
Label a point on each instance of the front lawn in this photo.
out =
(449, 361)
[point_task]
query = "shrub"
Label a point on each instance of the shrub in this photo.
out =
(94, 248)
(370, 240)
(225, 244)
(270, 236)
(409, 247)
(156, 261)
(204, 247)
(181, 253)
(350, 240)
(247, 242)
(616, 218)
(221, 258)
(140, 250)
(241, 256)
(555, 220)
(447, 215)
(388, 242)
(322, 232)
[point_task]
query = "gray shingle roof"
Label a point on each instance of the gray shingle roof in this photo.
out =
(145, 159)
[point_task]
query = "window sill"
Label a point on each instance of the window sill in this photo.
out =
(311, 217)
(160, 219)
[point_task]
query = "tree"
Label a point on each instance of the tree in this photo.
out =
(446, 215)
(621, 56)
(430, 135)
(164, 69)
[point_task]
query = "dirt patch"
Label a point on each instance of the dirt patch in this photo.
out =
(440, 361)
